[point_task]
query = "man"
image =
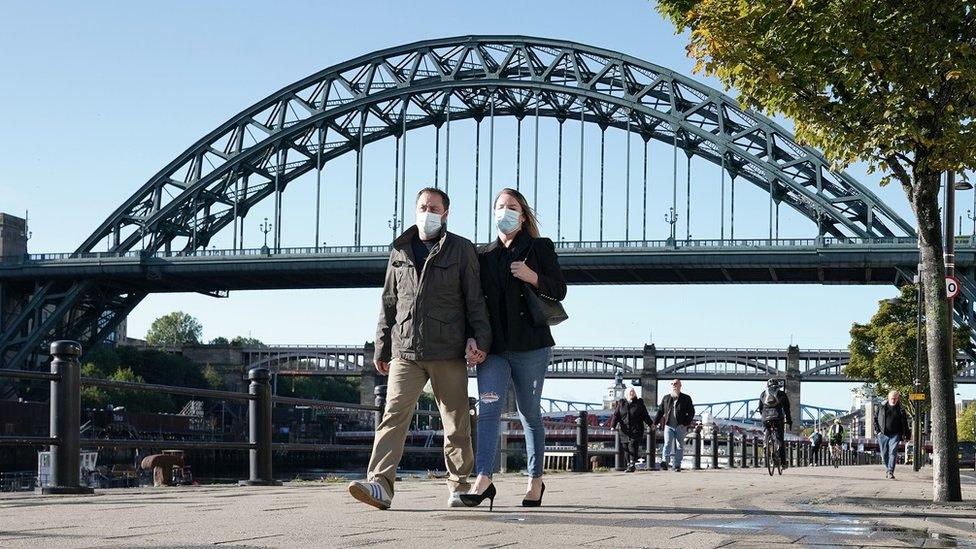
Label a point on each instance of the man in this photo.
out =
(891, 423)
(836, 440)
(816, 439)
(631, 415)
(774, 408)
(675, 414)
(431, 296)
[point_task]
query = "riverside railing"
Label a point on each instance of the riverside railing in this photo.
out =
(65, 441)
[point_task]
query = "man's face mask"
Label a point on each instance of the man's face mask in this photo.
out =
(507, 221)
(429, 224)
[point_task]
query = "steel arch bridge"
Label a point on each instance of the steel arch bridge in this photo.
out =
(299, 129)
(751, 364)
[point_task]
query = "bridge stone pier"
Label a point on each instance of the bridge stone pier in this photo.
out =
(648, 377)
(793, 385)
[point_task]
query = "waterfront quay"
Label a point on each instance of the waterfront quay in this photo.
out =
(805, 507)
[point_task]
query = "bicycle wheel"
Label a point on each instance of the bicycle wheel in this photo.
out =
(779, 462)
(768, 452)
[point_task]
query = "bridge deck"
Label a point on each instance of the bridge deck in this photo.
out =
(809, 261)
(825, 507)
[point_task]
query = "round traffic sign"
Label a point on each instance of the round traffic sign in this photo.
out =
(952, 287)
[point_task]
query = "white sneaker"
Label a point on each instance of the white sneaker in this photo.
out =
(454, 500)
(371, 493)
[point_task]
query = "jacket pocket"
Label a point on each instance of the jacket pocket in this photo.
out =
(445, 333)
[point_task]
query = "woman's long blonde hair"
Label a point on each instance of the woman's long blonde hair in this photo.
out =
(531, 223)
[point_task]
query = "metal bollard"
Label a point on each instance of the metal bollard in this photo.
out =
(651, 448)
(755, 451)
(745, 448)
(65, 421)
(473, 418)
(714, 448)
(379, 400)
(618, 453)
(698, 448)
(730, 451)
(259, 429)
(582, 442)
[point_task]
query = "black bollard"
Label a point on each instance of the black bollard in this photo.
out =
(714, 447)
(582, 442)
(698, 447)
(379, 400)
(651, 448)
(618, 452)
(259, 429)
(745, 448)
(65, 420)
(473, 418)
(755, 451)
(730, 451)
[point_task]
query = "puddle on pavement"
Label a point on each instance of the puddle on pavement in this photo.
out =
(831, 528)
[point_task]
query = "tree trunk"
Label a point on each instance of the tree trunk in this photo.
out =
(924, 197)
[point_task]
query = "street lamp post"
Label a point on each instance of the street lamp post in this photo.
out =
(671, 218)
(265, 228)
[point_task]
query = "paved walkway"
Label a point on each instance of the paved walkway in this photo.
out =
(809, 507)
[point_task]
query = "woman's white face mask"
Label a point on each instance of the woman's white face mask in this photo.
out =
(507, 221)
(429, 224)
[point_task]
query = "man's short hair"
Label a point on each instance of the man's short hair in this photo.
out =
(443, 195)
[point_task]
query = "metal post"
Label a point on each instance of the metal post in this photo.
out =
(380, 401)
(473, 418)
(65, 420)
(627, 185)
(491, 159)
(651, 450)
(447, 150)
(651, 441)
(582, 442)
(714, 448)
(477, 173)
(518, 155)
(603, 151)
(698, 448)
(730, 451)
(559, 187)
(755, 451)
(582, 157)
(744, 462)
(259, 429)
(618, 458)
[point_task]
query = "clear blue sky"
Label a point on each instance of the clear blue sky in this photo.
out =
(97, 97)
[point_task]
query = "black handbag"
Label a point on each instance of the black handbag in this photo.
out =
(545, 311)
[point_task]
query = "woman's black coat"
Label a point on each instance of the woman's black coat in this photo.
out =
(631, 415)
(511, 323)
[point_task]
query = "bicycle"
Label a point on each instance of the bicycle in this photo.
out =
(835, 454)
(772, 449)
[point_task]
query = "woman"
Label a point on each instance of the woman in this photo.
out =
(631, 415)
(518, 261)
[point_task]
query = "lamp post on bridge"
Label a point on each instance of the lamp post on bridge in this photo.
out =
(671, 218)
(265, 228)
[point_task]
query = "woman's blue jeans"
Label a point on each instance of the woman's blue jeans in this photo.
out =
(526, 371)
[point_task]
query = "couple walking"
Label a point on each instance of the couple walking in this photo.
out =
(675, 415)
(444, 304)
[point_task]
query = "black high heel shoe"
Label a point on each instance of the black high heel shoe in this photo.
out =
(474, 500)
(535, 502)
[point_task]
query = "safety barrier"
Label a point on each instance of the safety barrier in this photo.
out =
(65, 441)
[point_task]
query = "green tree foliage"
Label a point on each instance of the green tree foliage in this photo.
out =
(889, 83)
(241, 341)
(966, 421)
(220, 340)
(176, 328)
(141, 366)
(883, 350)
(337, 389)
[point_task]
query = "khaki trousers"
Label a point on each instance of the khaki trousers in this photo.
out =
(449, 381)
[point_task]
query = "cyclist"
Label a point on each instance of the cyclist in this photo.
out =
(774, 408)
(835, 436)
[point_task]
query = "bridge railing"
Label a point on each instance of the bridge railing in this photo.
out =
(65, 441)
(581, 246)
